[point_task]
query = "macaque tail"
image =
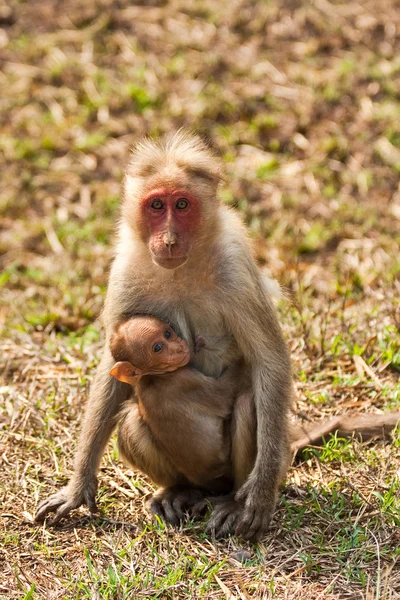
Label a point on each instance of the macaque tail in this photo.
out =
(363, 427)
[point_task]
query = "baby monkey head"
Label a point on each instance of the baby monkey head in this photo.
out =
(145, 345)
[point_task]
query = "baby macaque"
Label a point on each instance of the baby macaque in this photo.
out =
(179, 430)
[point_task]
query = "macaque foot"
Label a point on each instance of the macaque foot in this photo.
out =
(66, 500)
(224, 517)
(174, 503)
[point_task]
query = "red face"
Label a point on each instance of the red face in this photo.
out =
(170, 217)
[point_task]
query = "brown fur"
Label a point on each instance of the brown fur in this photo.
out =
(179, 430)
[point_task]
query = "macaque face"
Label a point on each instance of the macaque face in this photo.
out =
(170, 217)
(151, 345)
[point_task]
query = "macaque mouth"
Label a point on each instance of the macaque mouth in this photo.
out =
(173, 366)
(185, 357)
(169, 262)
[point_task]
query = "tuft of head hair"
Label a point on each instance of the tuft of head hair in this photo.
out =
(178, 149)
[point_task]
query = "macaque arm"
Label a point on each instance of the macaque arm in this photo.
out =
(244, 432)
(252, 319)
(105, 400)
(363, 427)
(106, 397)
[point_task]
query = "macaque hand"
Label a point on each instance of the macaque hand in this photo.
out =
(70, 497)
(257, 510)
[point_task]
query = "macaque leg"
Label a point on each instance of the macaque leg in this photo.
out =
(244, 438)
(138, 448)
(107, 395)
(226, 511)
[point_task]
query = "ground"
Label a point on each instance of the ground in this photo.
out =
(301, 100)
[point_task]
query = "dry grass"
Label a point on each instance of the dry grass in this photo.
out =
(301, 100)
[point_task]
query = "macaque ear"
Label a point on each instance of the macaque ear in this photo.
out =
(126, 372)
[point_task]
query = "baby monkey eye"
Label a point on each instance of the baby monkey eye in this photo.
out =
(167, 334)
(157, 204)
(182, 204)
(158, 347)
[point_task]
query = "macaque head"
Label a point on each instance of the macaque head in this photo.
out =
(170, 197)
(145, 345)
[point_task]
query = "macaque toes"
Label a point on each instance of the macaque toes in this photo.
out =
(178, 432)
(185, 257)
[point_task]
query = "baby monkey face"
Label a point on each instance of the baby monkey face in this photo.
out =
(153, 345)
(164, 349)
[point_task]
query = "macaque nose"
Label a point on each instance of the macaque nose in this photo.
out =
(169, 239)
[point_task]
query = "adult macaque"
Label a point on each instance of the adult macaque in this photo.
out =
(185, 258)
(178, 432)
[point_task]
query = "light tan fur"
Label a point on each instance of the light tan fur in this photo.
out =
(217, 293)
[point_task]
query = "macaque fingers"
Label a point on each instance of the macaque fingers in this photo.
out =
(59, 504)
(257, 509)
(62, 502)
(157, 509)
(227, 527)
(50, 504)
(200, 509)
(173, 512)
(172, 504)
(61, 512)
(223, 519)
(253, 523)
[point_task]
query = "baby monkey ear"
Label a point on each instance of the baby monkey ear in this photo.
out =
(126, 372)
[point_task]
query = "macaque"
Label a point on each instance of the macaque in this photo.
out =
(182, 417)
(186, 258)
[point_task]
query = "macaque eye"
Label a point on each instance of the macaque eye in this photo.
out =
(182, 204)
(167, 334)
(158, 347)
(157, 204)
